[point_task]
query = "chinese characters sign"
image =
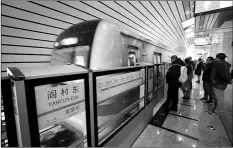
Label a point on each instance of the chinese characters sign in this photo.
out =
(57, 103)
(108, 86)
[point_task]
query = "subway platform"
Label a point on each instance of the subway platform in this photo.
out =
(191, 126)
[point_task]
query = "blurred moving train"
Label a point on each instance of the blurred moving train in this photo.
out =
(98, 44)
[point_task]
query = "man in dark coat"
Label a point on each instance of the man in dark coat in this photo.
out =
(207, 86)
(220, 78)
(199, 69)
(172, 78)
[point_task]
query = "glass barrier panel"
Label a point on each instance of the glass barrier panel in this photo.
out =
(150, 85)
(119, 97)
(163, 74)
(155, 78)
(160, 75)
(4, 139)
(62, 114)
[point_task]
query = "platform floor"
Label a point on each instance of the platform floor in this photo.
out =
(189, 127)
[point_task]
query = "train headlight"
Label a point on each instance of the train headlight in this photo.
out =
(69, 41)
(56, 44)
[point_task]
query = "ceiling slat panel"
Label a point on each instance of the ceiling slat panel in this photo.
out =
(177, 16)
(40, 10)
(172, 18)
(166, 19)
(8, 11)
(197, 20)
(160, 22)
(135, 12)
(96, 12)
(214, 20)
(192, 8)
(101, 7)
(24, 58)
(181, 10)
(206, 21)
(201, 23)
(155, 20)
(28, 34)
(146, 13)
(155, 30)
(150, 31)
(25, 50)
(26, 42)
(187, 9)
(77, 15)
(140, 8)
(210, 20)
(28, 25)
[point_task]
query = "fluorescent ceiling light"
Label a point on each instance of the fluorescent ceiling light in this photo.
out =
(203, 6)
(188, 23)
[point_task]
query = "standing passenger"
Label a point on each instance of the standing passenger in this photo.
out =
(190, 77)
(220, 78)
(208, 90)
(172, 78)
(198, 69)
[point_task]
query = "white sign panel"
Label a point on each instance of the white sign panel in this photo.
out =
(108, 86)
(57, 103)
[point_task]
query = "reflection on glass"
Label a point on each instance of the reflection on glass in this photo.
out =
(118, 99)
(155, 78)
(150, 85)
(61, 114)
(161, 76)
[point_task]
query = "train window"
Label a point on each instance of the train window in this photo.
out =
(81, 54)
(132, 58)
(75, 55)
(157, 58)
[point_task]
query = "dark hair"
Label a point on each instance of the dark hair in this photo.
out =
(221, 56)
(174, 56)
(211, 58)
(199, 59)
(187, 60)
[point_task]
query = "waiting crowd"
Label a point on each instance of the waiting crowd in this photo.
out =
(215, 76)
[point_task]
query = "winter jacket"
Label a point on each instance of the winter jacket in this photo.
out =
(220, 75)
(199, 68)
(207, 71)
(173, 73)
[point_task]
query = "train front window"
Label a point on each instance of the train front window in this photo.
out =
(132, 59)
(73, 55)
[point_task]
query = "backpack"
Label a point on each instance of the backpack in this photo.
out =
(227, 81)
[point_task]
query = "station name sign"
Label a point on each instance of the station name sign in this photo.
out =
(59, 102)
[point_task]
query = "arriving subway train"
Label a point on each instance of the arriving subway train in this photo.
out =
(96, 44)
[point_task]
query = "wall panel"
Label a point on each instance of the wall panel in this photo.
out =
(27, 34)
(26, 42)
(24, 58)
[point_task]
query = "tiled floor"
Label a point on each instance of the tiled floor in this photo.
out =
(188, 127)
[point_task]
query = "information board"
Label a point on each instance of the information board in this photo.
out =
(108, 86)
(57, 102)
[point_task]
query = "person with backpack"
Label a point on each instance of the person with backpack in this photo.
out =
(188, 83)
(220, 78)
(199, 69)
(172, 79)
